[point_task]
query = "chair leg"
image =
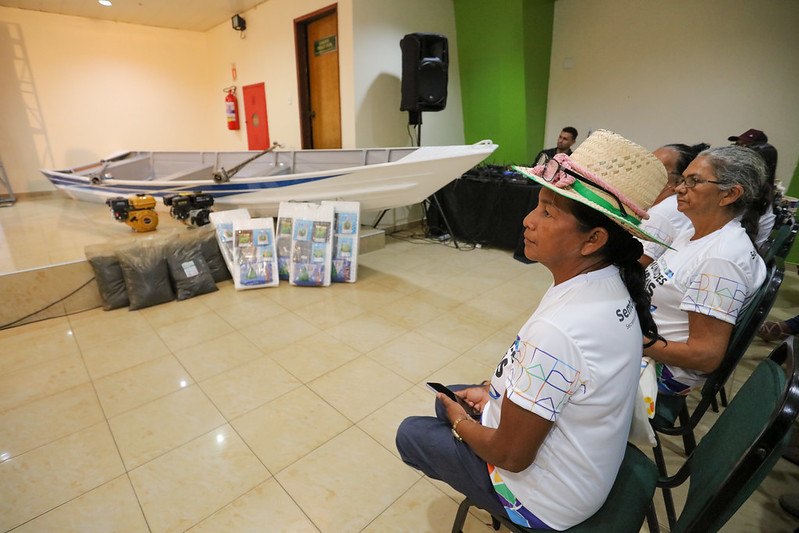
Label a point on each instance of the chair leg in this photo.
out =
(723, 397)
(460, 517)
(689, 442)
(714, 405)
(652, 518)
(668, 500)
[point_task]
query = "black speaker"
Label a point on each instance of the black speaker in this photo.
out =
(425, 60)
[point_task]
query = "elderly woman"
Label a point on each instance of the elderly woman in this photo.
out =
(699, 288)
(665, 220)
(542, 441)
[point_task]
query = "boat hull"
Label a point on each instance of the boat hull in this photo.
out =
(413, 176)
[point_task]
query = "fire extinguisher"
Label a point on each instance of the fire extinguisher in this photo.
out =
(231, 108)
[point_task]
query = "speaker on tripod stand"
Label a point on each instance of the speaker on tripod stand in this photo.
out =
(425, 61)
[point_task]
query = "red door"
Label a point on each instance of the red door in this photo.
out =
(255, 113)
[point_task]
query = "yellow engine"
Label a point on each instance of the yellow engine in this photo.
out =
(137, 212)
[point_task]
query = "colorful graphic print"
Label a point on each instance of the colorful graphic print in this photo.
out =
(516, 511)
(540, 378)
(715, 296)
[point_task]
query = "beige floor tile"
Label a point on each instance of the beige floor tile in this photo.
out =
(314, 356)
(359, 387)
(279, 331)
(295, 297)
(42, 421)
(464, 370)
(109, 507)
(382, 424)
(491, 350)
(218, 355)
(267, 507)
(411, 312)
(44, 478)
(159, 316)
(328, 313)
(254, 308)
(366, 332)
(125, 351)
(193, 330)
(41, 380)
(153, 429)
(141, 384)
(423, 508)
(35, 343)
(287, 428)
(104, 329)
(371, 295)
(190, 483)
(248, 386)
(455, 332)
(413, 356)
(343, 485)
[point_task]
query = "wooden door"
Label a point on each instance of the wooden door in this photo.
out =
(255, 116)
(322, 104)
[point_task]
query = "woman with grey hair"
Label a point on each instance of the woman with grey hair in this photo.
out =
(700, 286)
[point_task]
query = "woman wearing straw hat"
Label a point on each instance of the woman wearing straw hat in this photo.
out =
(699, 287)
(543, 440)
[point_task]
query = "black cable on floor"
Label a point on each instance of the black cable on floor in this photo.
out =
(10, 324)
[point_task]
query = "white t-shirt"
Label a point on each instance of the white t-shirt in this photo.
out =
(576, 361)
(665, 223)
(715, 276)
(764, 227)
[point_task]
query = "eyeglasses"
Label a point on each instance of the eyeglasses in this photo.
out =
(691, 181)
(552, 167)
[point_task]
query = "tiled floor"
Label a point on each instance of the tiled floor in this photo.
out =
(260, 410)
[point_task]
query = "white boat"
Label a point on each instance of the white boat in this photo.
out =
(378, 178)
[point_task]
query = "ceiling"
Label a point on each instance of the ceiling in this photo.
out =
(193, 15)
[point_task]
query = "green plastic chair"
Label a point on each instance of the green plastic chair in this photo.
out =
(629, 501)
(743, 445)
(672, 409)
(779, 242)
(727, 465)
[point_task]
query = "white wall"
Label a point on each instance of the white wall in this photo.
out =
(267, 54)
(379, 27)
(73, 90)
(665, 71)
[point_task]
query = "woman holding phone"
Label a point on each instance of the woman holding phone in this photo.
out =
(551, 426)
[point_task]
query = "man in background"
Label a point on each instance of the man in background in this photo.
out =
(567, 137)
(758, 141)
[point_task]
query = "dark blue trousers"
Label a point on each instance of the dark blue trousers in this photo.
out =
(427, 444)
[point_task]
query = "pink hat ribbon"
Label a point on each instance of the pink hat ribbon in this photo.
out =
(562, 179)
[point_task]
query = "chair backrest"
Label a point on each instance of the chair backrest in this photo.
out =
(743, 445)
(780, 242)
(749, 321)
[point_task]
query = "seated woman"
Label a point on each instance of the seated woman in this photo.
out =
(665, 220)
(548, 432)
(699, 288)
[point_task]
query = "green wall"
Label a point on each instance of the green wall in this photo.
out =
(503, 53)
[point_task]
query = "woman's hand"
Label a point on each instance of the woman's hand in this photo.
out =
(454, 409)
(475, 397)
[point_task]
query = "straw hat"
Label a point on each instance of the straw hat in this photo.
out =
(611, 163)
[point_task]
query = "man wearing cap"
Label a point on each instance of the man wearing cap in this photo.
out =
(758, 141)
(566, 139)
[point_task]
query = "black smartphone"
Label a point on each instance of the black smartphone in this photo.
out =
(438, 387)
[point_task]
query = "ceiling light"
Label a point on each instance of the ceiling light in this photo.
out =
(104, 2)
